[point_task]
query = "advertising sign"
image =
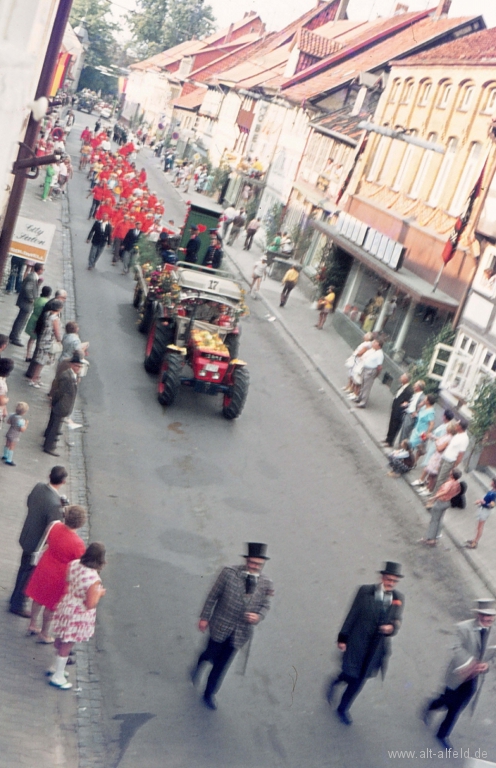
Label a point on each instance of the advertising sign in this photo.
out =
(32, 239)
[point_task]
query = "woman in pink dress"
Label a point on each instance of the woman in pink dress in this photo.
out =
(75, 615)
(48, 581)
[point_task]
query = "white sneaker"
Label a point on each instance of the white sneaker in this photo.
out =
(424, 492)
(417, 483)
(72, 425)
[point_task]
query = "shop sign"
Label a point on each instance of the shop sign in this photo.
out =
(382, 247)
(32, 239)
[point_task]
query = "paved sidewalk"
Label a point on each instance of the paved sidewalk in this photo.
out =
(37, 723)
(327, 351)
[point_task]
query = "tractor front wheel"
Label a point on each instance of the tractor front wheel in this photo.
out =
(170, 378)
(148, 315)
(235, 399)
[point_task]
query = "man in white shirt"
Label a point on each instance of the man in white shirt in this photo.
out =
(453, 454)
(372, 359)
(229, 214)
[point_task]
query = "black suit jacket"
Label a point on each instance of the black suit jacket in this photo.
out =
(131, 239)
(404, 397)
(43, 508)
(367, 651)
(100, 233)
(29, 291)
(192, 248)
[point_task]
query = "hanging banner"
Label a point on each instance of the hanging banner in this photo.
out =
(32, 239)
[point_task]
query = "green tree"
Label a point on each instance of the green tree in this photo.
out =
(161, 24)
(103, 50)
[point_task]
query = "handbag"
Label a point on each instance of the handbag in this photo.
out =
(42, 546)
(55, 347)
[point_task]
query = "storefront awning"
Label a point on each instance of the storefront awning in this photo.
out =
(406, 281)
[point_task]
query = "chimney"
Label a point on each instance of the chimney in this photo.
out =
(400, 8)
(341, 12)
(442, 9)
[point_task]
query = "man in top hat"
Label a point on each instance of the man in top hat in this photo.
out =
(238, 601)
(470, 662)
(374, 617)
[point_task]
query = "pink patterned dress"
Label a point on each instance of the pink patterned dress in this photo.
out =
(72, 621)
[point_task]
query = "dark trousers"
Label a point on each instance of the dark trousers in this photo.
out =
(220, 656)
(394, 426)
(94, 207)
(353, 688)
(52, 432)
(250, 234)
(25, 569)
(288, 287)
(16, 274)
(455, 702)
(95, 252)
(19, 324)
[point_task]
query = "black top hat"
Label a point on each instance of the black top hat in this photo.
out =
(392, 569)
(256, 550)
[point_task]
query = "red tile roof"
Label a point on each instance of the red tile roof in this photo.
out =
(345, 66)
(341, 122)
(478, 48)
(191, 100)
(316, 45)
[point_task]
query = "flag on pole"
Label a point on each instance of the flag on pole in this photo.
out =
(347, 180)
(463, 219)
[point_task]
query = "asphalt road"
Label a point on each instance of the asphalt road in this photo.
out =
(175, 494)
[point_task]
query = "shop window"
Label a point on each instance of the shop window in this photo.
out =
(423, 168)
(444, 172)
(425, 92)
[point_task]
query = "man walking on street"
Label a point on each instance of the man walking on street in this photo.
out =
(129, 244)
(45, 505)
(288, 283)
(100, 235)
(251, 231)
(439, 504)
(372, 359)
(25, 301)
(473, 649)
(237, 225)
(63, 399)
(374, 617)
(239, 599)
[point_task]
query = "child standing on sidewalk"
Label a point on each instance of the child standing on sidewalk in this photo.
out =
(17, 424)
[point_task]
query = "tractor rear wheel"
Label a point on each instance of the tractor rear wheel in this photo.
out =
(232, 343)
(170, 378)
(235, 399)
(146, 321)
(159, 337)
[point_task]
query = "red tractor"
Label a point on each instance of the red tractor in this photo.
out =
(193, 338)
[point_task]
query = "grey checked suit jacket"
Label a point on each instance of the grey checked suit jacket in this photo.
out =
(227, 603)
(466, 649)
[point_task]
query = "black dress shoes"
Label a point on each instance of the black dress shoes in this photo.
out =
(16, 342)
(209, 702)
(344, 717)
(52, 453)
(20, 612)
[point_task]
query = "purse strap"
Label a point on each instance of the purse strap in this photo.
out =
(45, 535)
